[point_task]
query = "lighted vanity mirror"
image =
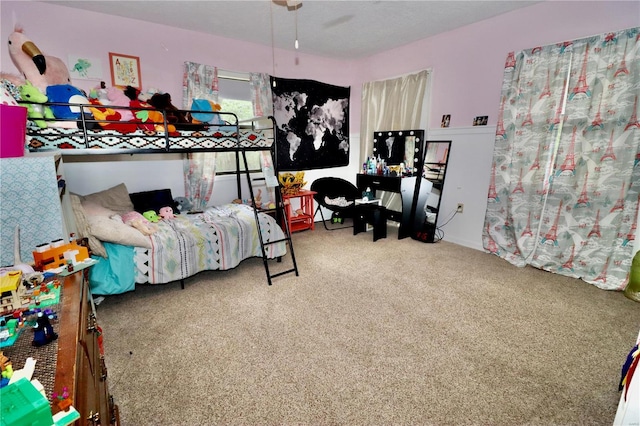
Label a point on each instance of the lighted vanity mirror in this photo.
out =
(398, 146)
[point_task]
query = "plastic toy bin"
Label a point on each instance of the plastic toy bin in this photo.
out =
(13, 130)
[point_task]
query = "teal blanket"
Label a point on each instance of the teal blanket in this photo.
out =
(114, 275)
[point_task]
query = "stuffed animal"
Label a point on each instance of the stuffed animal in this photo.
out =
(111, 117)
(118, 98)
(147, 118)
(162, 102)
(139, 222)
(151, 216)
(184, 205)
(66, 93)
(41, 70)
(166, 213)
(99, 93)
(201, 105)
(35, 111)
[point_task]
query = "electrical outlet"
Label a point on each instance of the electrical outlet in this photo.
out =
(460, 208)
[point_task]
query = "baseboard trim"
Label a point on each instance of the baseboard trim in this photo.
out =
(466, 243)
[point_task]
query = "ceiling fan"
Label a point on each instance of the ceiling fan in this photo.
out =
(291, 5)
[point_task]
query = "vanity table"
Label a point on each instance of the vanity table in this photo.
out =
(420, 183)
(404, 186)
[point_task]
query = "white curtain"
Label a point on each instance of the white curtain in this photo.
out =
(565, 179)
(394, 104)
(199, 82)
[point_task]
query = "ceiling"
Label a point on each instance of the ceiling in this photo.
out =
(329, 28)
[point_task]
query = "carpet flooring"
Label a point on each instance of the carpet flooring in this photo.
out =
(392, 332)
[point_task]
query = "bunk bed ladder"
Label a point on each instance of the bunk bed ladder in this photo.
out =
(280, 217)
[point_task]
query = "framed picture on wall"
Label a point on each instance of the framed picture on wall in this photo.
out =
(125, 70)
(84, 67)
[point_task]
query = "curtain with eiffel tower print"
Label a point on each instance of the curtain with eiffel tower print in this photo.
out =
(565, 178)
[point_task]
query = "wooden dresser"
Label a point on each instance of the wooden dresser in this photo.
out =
(80, 363)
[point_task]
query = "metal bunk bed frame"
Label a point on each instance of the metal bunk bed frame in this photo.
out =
(237, 148)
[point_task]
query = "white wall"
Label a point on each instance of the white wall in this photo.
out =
(466, 181)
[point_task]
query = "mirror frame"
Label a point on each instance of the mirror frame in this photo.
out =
(434, 169)
(414, 137)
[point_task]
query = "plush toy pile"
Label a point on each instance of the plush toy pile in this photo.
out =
(43, 79)
(46, 78)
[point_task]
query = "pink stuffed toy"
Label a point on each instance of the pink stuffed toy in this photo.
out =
(166, 213)
(118, 98)
(40, 69)
(139, 222)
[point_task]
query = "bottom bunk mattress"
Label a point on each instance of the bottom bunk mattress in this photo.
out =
(219, 238)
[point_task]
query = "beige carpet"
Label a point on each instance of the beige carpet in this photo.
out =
(391, 332)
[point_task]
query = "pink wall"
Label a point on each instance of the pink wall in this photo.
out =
(467, 63)
(60, 31)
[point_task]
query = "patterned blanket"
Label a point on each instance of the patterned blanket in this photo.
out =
(218, 137)
(219, 238)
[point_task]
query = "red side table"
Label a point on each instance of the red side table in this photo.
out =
(301, 218)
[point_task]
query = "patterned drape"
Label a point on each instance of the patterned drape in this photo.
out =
(199, 170)
(261, 96)
(565, 179)
(199, 82)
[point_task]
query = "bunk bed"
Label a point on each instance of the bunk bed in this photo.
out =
(219, 237)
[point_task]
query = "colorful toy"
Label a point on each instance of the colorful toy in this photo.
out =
(35, 110)
(99, 93)
(66, 93)
(184, 205)
(162, 102)
(291, 184)
(43, 331)
(118, 98)
(9, 286)
(200, 105)
(41, 70)
(151, 216)
(139, 222)
(57, 257)
(5, 366)
(166, 213)
(148, 119)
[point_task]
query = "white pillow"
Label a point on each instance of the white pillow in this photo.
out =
(114, 231)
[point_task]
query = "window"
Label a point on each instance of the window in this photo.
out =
(235, 96)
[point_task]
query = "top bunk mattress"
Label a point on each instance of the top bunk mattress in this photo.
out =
(76, 140)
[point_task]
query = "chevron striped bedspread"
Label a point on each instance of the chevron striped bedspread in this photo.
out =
(219, 238)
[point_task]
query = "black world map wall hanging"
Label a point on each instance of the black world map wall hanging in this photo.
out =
(312, 124)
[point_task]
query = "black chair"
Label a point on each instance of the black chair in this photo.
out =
(337, 195)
